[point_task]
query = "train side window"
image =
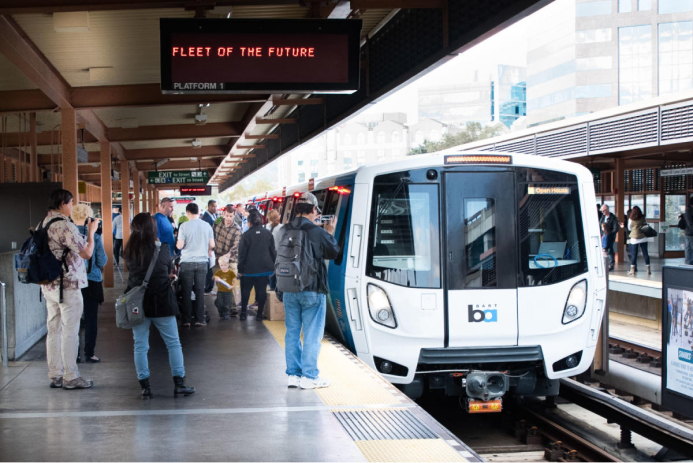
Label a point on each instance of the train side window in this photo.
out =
(331, 202)
(552, 244)
(404, 244)
(288, 206)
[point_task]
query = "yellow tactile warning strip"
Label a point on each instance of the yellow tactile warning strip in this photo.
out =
(408, 450)
(350, 386)
(355, 384)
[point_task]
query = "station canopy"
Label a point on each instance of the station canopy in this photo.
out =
(102, 59)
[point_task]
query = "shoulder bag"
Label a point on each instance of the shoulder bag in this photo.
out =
(130, 306)
(648, 231)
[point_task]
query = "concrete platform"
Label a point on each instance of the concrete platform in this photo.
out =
(242, 411)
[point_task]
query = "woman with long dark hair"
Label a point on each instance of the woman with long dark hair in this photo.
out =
(255, 272)
(636, 220)
(160, 306)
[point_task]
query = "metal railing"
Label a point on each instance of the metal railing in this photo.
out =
(3, 314)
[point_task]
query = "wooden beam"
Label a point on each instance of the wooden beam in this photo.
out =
(125, 190)
(263, 120)
(13, 101)
(94, 125)
(136, 189)
(176, 132)
(269, 136)
(69, 157)
(32, 146)
(297, 101)
(391, 4)
(51, 6)
(20, 51)
(148, 95)
(106, 207)
(179, 165)
(178, 152)
(251, 147)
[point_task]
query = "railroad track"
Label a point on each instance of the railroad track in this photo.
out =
(629, 350)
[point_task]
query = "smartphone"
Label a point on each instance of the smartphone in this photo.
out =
(326, 218)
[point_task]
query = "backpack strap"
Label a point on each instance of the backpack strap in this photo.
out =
(155, 257)
(64, 258)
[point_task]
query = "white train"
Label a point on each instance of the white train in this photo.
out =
(474, 273)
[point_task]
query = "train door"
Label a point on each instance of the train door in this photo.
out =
(481, 253)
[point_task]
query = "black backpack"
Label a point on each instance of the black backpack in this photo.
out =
(36, 264)
(296, 268)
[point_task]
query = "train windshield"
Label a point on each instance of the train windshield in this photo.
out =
(404, 239)
(551, 238)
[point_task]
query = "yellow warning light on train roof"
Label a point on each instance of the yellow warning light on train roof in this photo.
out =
(478, 159)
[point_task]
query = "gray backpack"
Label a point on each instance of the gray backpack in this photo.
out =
(296, 268)
(130, 306)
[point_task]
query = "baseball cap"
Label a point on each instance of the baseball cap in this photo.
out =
(309, 198)
(167, 200)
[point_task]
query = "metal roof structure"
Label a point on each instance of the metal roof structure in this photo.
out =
(108, 74)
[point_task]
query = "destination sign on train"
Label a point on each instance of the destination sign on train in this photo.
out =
(238, 55)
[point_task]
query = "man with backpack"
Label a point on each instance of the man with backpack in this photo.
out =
(63, 294)
(302, 279)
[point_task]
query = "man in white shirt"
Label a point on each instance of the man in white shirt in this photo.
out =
(196, 242)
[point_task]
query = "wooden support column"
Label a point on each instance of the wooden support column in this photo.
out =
(69, 137)
(33, 143)
(136, 189)
(619, 183)
(125, 188)
(106, 208)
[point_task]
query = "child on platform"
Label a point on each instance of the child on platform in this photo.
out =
(224, 278)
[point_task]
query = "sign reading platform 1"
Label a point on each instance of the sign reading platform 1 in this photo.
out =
(178, 177)
(250, 55)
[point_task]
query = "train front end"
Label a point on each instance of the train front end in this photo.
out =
(473, 274)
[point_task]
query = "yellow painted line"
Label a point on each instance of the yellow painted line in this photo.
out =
(351, 385)
(408, 450)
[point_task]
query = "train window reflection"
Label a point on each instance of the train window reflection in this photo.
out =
(480, 242)
(404, 243)
(552, 245)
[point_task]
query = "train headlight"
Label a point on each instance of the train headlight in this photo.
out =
(380, 308)
(575, 305)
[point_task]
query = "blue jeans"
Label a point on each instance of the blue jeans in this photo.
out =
(688, 249)
(168, 328)
(304, 310)
(634, 254)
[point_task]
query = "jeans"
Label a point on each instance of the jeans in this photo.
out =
(63, 332)
(634, 254)
(260, 285)
(192, 275)
(304, 310)
(117, 246)
(224, 302)
(91, 312)
(209, 283)
(168, 328)
(689, 249)
(610, 239)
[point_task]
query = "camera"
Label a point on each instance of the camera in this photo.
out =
(99, 230)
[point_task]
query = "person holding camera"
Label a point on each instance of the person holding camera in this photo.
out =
(256, 256)
(92, 294)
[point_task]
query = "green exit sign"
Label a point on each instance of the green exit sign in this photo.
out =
(175, 177)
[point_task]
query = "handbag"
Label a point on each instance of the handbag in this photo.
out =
(130, 306)
(648, 231)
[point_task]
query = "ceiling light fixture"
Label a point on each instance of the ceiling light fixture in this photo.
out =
(196, 143)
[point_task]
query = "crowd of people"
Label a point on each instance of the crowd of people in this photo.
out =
(227, 255)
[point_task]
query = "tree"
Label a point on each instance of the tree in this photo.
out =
(473, 131)
(242, 191)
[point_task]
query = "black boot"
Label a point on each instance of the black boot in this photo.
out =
(146, 390)
(180, 388)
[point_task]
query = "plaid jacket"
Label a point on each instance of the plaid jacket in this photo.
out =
(226, 240)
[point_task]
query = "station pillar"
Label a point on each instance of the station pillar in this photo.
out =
(125, 188)
(69, 142)
(33, 144)
(619, 183)
(136, 189)
(106, 208)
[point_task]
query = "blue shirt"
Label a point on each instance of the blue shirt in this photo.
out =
(165, 231)
(99, 259)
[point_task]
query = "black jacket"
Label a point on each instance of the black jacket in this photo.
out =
(612, 224)
(256, 251)
(159, 300)
(324, 247)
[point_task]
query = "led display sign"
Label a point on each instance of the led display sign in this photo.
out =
(250, 55)
(202, 190)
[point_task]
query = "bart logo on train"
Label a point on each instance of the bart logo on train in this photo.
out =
(478, 315)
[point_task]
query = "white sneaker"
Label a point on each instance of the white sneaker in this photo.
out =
(294, 380)
(307, 383)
